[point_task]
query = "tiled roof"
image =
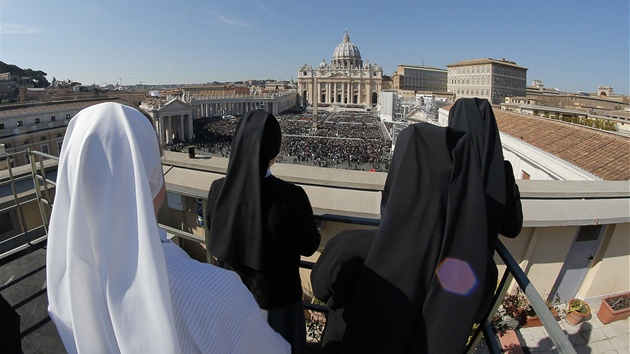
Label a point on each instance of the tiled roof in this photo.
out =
(604, 154)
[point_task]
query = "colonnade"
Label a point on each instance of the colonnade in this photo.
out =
(208, 109)
(207, 106)
(174, 127)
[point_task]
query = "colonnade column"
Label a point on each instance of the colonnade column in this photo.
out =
(360, 94)
(328, 92)
(351, 92)
(161, 129)
(168, 129)
(190, 132)
(181, 132)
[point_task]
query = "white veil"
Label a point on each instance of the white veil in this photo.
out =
(106, 275)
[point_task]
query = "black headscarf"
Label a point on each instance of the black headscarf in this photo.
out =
(475, 117)
(424, 277)
(236, 232)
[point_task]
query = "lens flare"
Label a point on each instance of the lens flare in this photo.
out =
(456, 276)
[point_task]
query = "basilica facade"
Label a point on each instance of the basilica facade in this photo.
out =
(347, 81)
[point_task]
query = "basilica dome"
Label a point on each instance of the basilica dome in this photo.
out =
(346, 54)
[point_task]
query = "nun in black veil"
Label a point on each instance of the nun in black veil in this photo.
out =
(475, 117)
(259, 226)
(429, 275)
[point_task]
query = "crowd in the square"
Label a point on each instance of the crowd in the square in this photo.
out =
(345, 140)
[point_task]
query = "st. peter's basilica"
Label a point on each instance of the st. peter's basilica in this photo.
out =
(347, 81)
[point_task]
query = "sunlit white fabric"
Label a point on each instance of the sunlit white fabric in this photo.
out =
(107, 283)
(214, 312)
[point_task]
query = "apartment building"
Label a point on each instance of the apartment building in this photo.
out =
(488, 78)
(420, 78)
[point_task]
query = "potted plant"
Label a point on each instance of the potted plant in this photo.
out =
(532, 318)
(515, 305)
(614, 308)
(578, 311)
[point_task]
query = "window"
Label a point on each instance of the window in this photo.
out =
(1, 125)
(37, 120)
(52, 118)
(67, 116)
(59, 143)
(589, 233)
(20, 123)
(45, 149)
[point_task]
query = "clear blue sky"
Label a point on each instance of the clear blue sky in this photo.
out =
(571, 45)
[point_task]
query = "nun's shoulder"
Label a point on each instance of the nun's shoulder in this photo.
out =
(280, 184)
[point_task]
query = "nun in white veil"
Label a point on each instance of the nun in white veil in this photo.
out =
(107, 284)
(116, 284)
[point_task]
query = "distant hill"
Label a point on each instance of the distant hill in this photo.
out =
(38, 76)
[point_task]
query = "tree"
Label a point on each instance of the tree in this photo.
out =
(37, 76)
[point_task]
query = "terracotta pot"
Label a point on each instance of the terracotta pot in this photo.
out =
(606, 314)
(534, 321)
(575, 318)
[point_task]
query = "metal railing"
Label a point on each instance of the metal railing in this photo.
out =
(25, 236)
(42, 187)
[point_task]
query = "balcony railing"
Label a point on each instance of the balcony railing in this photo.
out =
(42, 189)
(5, 132)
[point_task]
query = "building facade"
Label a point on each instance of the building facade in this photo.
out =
(346, 81)
(217, 90)
(487, 78)
(39, 126)
(420, 78)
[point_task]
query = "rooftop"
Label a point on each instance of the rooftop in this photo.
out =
(12, 110)
(604, 154)
(485, 61)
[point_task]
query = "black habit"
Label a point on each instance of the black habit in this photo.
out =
(429, 275)
(259, 226)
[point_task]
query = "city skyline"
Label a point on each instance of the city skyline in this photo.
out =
(572, 46)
